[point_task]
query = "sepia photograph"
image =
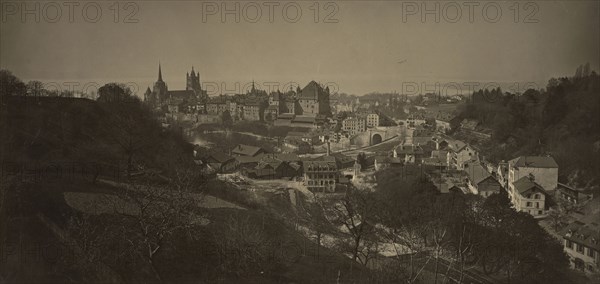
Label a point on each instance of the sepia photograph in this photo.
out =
(308, 141)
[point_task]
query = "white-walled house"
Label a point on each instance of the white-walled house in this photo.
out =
(528, 196)
(461, 154)
(544, 169)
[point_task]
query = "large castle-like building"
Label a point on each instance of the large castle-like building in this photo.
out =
(161, 98)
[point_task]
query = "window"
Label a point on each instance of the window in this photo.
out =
(591, 252)
(528, 204)
(537, 205)
(540, 212)
(580, 248)
(569, 244)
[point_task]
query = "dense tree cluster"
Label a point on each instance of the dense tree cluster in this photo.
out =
(473, 232)
(561, 120)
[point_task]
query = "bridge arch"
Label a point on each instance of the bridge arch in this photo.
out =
(376, 139)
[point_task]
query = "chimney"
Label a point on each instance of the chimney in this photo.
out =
(328, 148)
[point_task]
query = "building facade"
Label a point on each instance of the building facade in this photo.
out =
(526, 195)
(544, 169)
(321, 175)
(354, 125)
(580, 241)
(372, 120)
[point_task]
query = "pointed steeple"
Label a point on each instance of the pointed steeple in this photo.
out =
(193, 70)
(159, 73)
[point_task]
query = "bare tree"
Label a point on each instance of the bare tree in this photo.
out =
(241, 246)
(318, 221)
(357, 213)
(153, 212)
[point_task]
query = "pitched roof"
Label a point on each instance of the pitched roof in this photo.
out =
(585, 233)
(287, 157)
(456, 145)
(311, 91)
(246, 159)
(533, 162)
(268, 161)
(246, 150)
(446, 187)
(525, 183)
(219, 156)
(477, 173)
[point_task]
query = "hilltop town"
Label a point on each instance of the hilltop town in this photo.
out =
(323, 145)
(381, 181)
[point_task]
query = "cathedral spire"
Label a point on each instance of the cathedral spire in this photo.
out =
(159, 73)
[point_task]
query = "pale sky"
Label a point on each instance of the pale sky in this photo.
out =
(372, 47)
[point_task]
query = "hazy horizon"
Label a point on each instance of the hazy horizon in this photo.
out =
(373, 47)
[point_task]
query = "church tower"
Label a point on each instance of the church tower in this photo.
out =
(193, 82)
(159, 90)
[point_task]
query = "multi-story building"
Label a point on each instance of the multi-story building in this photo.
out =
(372, 120)
(314, 99)
(217, 105)
(354, 125)
(544, 169)
(321, 175)
(580, 242)
(461, 155)
(526, 195)
(252, 111)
